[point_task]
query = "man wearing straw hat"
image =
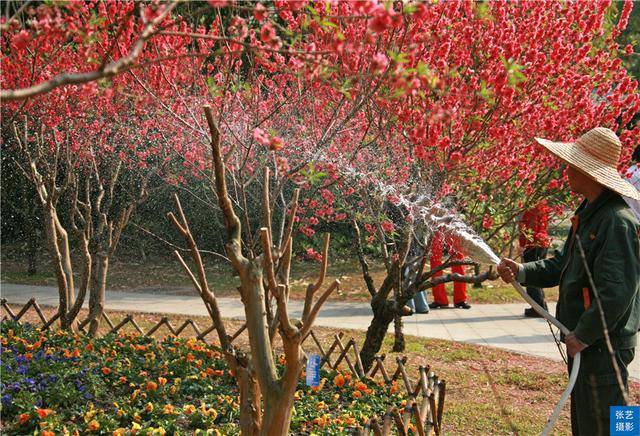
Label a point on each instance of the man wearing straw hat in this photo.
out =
(598, 272)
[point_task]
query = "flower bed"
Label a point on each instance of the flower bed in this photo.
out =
(55, 383)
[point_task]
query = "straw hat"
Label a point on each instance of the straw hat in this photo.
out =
(596, 153)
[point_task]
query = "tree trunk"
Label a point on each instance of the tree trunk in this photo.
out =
(250, 408)
(56, 238)
(375, 335)
(398, 342)
(277, 413)
(97, 292)
(278, 404)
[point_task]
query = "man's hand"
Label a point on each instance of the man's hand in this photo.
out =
(574, 346)
(508, 270)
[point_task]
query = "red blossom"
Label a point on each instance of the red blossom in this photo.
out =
(218, 3)
(260, 13)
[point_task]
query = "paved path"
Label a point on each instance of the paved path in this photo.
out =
(496, 325)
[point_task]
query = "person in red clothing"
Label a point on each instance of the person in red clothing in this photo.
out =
(534, 243)
(459, 289)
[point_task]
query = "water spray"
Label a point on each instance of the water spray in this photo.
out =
(478, 250)
(437, 217)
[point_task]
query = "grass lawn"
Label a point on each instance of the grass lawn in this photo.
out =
(489, 391)
(164, 275)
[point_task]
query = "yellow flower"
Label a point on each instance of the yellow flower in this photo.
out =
(89, 415)
(134, 394)
(321, 405)
(159, 431)
(297, 395)
(149, 407)
(135, 427)
(189, 409)
(119, 432)
(120, 413)
(212, 413)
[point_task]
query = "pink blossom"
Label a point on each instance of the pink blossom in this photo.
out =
(267, 33)
(379, 62)
(260, 136)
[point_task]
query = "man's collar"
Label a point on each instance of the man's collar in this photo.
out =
(586, 209)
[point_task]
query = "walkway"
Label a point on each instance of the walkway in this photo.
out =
(496, 325)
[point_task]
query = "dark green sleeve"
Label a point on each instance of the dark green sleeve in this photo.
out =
(545, 273)
(616, 271)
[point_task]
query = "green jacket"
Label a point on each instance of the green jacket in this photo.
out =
(609, 233)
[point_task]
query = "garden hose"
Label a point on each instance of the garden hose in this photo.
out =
(576, 360)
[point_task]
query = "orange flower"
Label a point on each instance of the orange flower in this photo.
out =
(361, 387)
(47, 433)
(105, 370)
(43, 413)
(152, 386)
(190, 357)
(218, 372)
(149, 407)
(189, 409)
(23, 418)
(320, 421)
(28, 356)
(394, 387)
(357, 394)
(89, 347)
(76, 353)
(168, 409)
(162, 381)
(94, 425)
(123, 379)
(349, 420)
(339, 380)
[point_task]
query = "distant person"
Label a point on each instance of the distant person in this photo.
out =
(608, 233)
(459, 288)
(534, 243)
(633, 176)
